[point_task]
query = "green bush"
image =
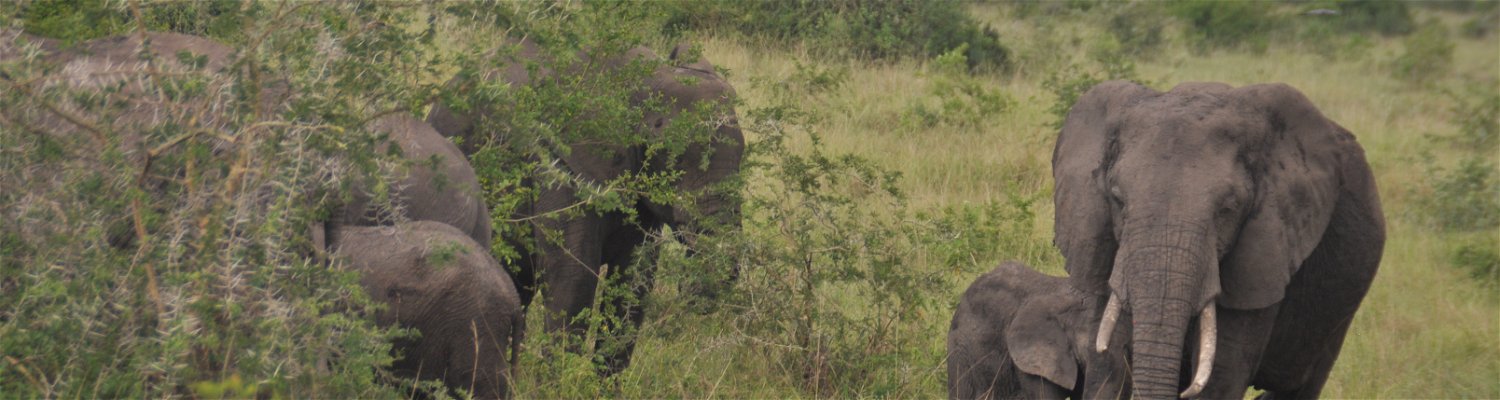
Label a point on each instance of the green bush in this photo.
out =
(181, 268)
(1480, 256)
(1138, 26)
(1467, 197)
(1427, 54)
(1070, 83)
(1226, 24)
(72, 21)
(1385, 17)
(871, 30)
(962, 99)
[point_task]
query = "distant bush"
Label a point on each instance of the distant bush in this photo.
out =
(78, 20)
(962, 99)
(1478, 117)
(1480, 256)
(1482, 25)
(1138, 26)
(1222, 24)
(1070, 83)
(1426, 55)
(1385, 17)
(1466, 197)
(872, 30)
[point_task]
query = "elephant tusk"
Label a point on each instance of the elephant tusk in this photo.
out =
(1107, 323)
(1207, 343)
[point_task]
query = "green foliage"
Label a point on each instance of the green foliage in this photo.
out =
(1225, 24)
(1427, 54)
(1478, 117)
(871, 30)
(1480, 256)
(831, 245)
(1070, 83)
(1138, 26)
(178, 264)
(963, 99)
(79, 20)
(1466, 197)
(1384, 17)
(1480, 26)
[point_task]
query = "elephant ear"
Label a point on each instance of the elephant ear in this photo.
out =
(1294, 168)
(1039, 346)
(1083, 230)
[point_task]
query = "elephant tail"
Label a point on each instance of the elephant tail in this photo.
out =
(517, 333)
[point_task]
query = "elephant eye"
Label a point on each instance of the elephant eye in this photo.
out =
(1114, 192)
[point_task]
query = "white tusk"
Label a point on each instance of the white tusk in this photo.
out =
(1107, 323)
(1207, 342)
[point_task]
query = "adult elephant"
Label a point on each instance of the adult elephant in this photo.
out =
(435, 279)
(438, 184)
(1244, 207)
(570, 268)
(1019, 334)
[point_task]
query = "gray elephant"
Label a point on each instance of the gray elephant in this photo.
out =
(438, 185)
(1019, 334)
(437, 280)
(1246, 208)
(570, 270)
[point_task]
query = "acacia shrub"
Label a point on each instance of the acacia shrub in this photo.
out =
(181, 267)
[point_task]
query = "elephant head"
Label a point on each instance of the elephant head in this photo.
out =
(1020, 334)
(433, 278)
(1182, 203)
(692, 98)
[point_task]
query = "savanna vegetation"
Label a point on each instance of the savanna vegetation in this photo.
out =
(898, 149)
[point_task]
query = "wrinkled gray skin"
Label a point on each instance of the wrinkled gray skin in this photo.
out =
(440, 185)
(1248, 200)
(433, 278)
(1019, 334)
(570, 270)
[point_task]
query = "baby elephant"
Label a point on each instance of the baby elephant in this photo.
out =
(435, 279)
(1019, 334)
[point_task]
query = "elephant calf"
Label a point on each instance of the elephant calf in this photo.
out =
(1019, 334)
(435, 279)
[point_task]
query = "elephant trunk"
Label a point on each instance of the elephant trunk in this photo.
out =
(1165, 287)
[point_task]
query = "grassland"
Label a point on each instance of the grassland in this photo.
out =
(1426, 329)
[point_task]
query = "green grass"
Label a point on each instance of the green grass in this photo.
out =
(1426, 330)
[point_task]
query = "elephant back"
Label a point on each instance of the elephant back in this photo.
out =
(438, 184)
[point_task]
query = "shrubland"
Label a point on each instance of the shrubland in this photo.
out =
(890, 164)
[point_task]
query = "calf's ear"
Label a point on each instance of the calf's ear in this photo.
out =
(1039, 346)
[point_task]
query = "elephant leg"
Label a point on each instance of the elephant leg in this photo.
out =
(628, 313)
(523, 272)
(569, 270)
(1320, 305)
(1242, 340)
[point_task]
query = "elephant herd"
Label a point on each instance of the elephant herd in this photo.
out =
(1215, 238)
